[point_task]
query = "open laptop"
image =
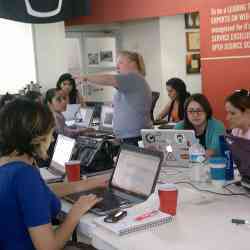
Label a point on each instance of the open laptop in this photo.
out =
(173, 143)
(71, 112)
(240, 149)
(85, 117)
(62, 153)
(133, 180)
(106, 122)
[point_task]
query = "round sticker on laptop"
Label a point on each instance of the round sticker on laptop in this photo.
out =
(180, 138)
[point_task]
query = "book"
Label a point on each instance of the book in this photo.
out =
(130, 223)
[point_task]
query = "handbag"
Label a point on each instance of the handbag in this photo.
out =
(94, 154)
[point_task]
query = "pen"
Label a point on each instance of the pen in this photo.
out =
(240, 221)
(146, 215)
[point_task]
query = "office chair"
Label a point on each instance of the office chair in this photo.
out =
(155, 97)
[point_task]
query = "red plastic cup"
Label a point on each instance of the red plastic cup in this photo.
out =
(73, 170)
(168, 198)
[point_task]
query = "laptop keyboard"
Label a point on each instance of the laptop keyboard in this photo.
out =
(110, 200)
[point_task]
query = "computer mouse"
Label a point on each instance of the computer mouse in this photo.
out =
(115, 216)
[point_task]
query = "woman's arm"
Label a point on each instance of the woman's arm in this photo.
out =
(65, 188)
(164, 112)
(45, 238)
(107, 80)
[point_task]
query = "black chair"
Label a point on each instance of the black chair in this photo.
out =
(155, 97)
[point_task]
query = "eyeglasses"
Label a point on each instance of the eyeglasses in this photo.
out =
(60, 98)
(197, 112)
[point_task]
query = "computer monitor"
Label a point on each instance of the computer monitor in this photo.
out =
(97, 108)
(106, 121)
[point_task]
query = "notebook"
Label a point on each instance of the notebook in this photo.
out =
(132, 182)
(173, 143)
(62, 153)
(129, 224)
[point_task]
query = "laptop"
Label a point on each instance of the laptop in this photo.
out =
(62, 153)
(71, 112)
(132, 181)
(106, 122)
(173, 143)
(240, 149)
(85, 117)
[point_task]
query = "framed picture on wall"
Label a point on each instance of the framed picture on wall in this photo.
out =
(193, 41)
(192, 20)
(193, 63)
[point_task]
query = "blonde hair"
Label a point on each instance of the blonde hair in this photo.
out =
(137, 58)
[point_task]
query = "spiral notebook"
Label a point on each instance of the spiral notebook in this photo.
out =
(129, 225)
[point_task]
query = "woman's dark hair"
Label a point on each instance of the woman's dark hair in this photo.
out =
(73, 92)
(33, 95)
(181, 90)
(203, 101)
(23, 125)
(50, 94)
(240, 99)
(6, 98)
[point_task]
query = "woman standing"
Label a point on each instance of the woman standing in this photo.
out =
(178, 94)
(198, 117)
(27, 204)
(238, 113)
(133, 98)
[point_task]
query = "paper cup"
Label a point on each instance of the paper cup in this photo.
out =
(72, 170)
(168, 198)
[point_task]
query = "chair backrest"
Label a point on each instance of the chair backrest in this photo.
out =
(155, 97)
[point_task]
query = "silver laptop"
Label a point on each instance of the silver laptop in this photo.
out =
(71, 112)
(62, 153)
(85, 117)
(132, 181)
(173, 143)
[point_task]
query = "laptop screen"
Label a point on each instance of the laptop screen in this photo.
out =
(107, 117)
(87, 116)
(136, 172)
(62, 152)
(240, 149)
(71, 112)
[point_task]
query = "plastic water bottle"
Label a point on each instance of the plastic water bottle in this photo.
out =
(197, 158)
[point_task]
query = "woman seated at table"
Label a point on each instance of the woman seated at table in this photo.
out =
(178, 94)
(57, 103)
(67, 84)
(198, 117)
(27, 204)
(238, 113)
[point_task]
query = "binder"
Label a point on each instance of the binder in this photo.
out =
(130, 225)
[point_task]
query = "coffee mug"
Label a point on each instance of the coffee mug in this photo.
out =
(168, 198)
(72, 170)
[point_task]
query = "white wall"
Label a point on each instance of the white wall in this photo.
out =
(173, 53)
(144, 37)
(50, 49)
(17, 62)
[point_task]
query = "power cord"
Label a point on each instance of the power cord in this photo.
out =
(212, 192)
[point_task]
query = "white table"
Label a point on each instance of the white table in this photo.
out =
(203, 221)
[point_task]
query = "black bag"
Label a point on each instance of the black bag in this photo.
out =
(94, 154)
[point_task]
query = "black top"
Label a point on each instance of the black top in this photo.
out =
(202, 139)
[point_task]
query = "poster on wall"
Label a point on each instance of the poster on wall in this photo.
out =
(192, 20)
(101, 52)
(193, 63)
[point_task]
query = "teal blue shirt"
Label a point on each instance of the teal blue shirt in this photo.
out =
(214, 129)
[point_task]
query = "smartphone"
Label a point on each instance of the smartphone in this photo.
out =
(115, 216)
